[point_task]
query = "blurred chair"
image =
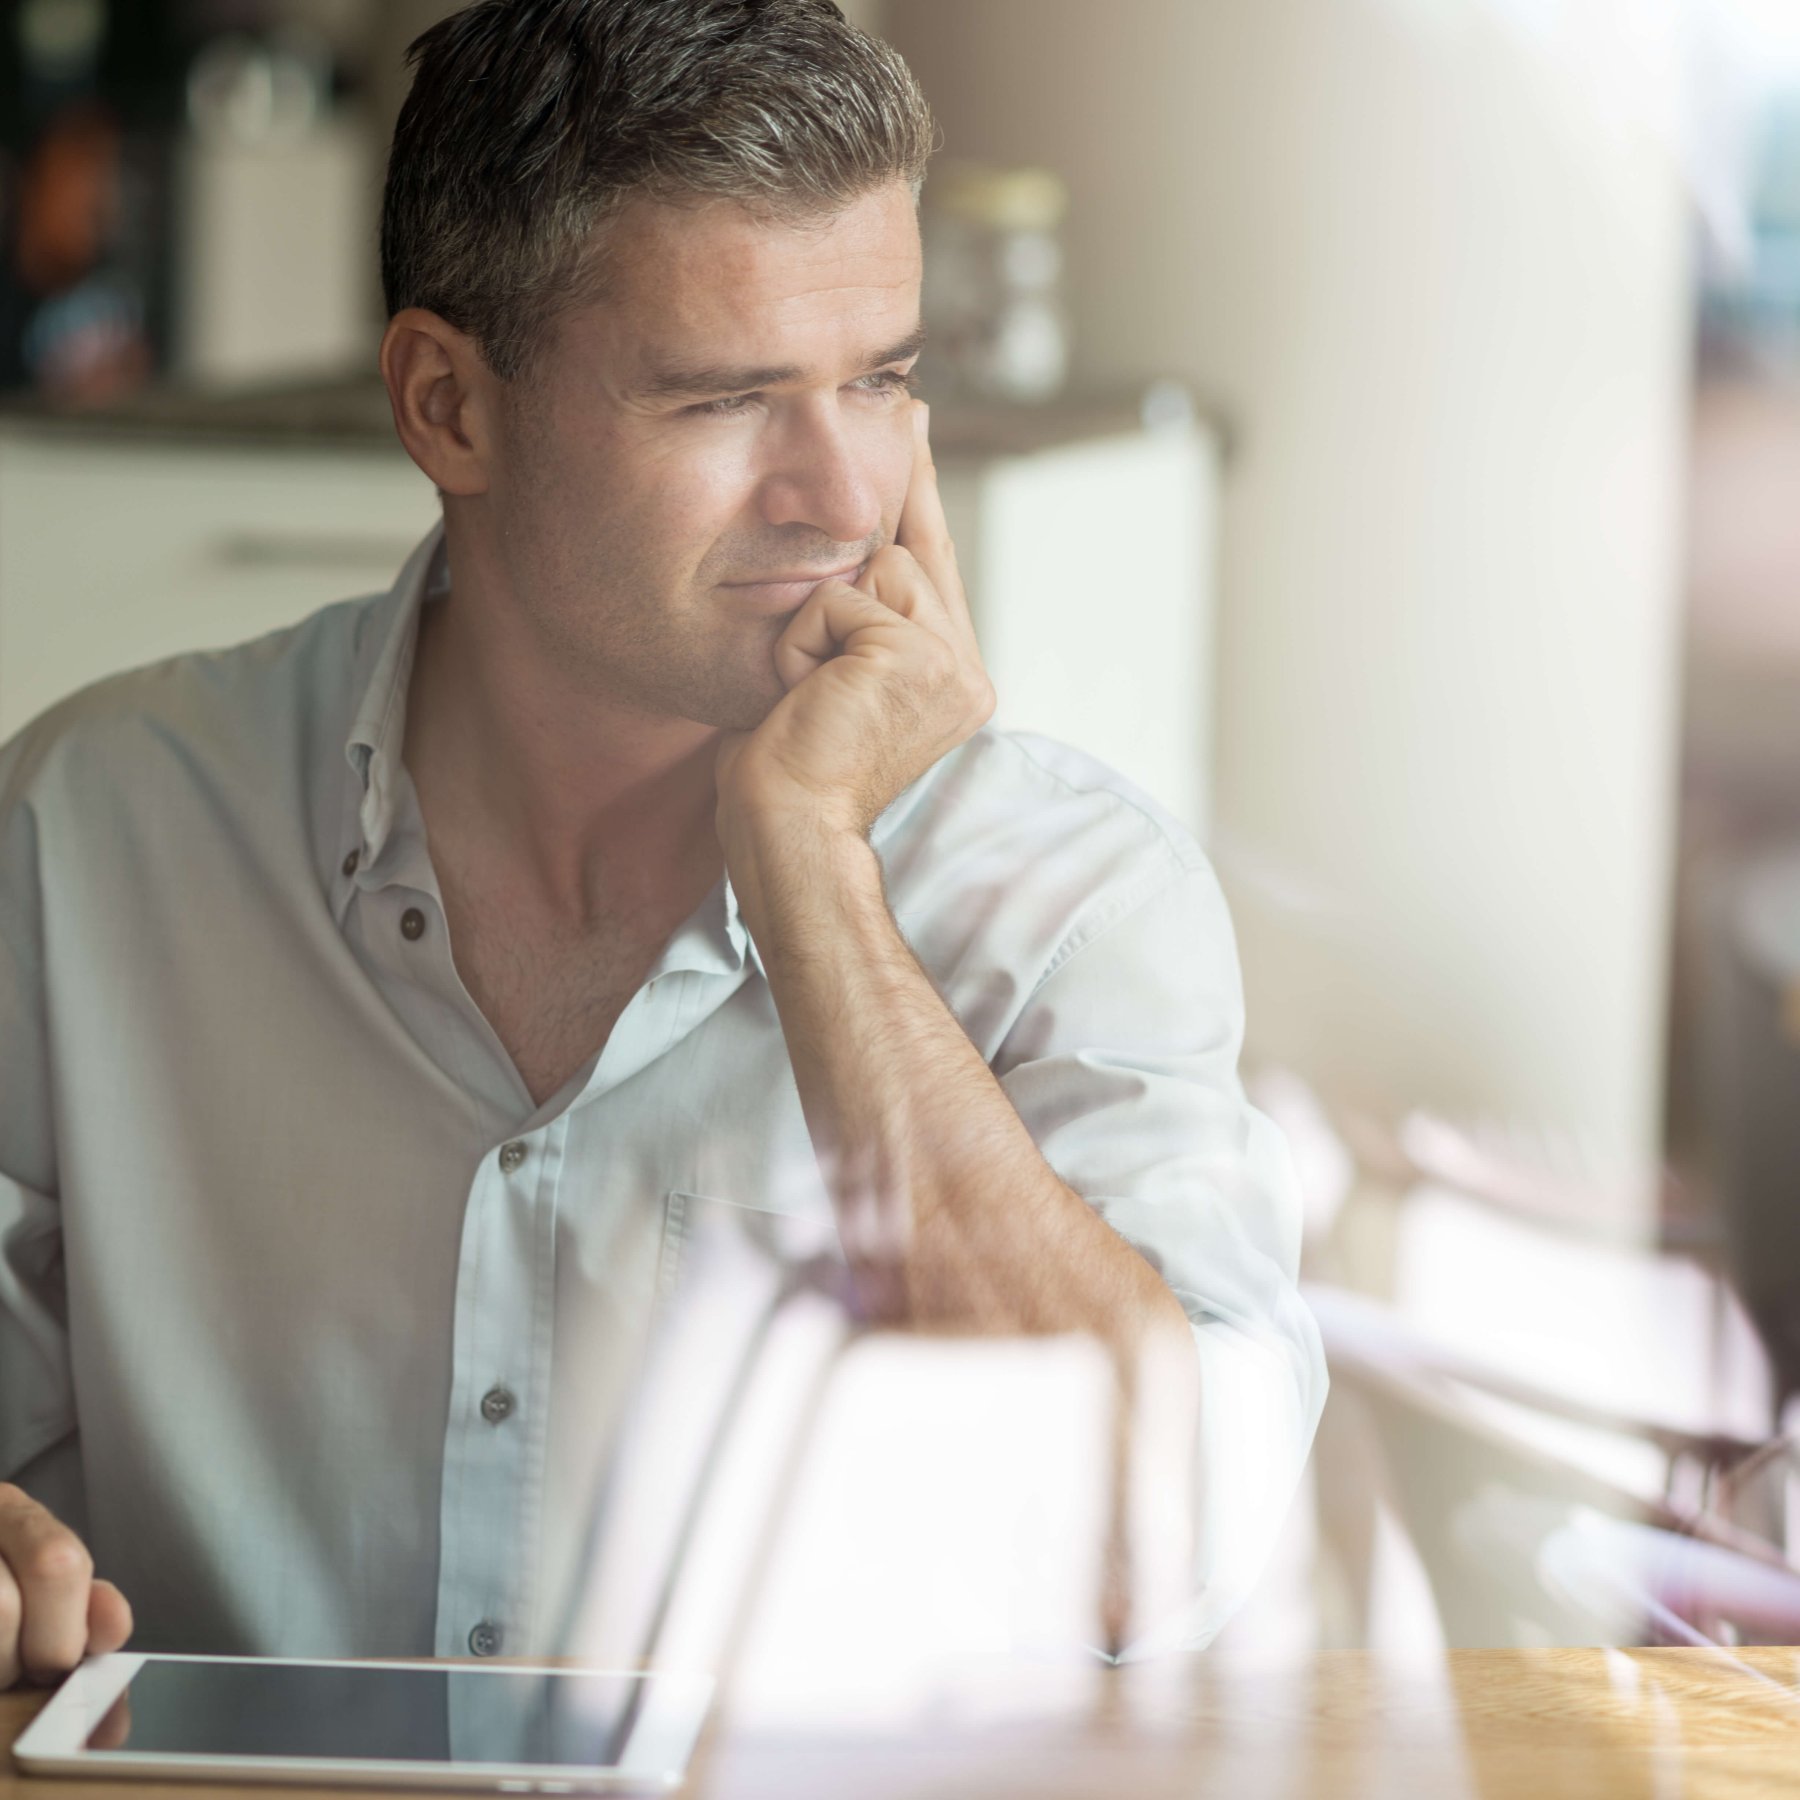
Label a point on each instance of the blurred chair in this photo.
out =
(1549, 1336)
(1684, 1591)
(1614, 1294)
(1646, 1583)
(1459, 1451)
(1534, 1177)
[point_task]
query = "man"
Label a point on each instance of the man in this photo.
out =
(376, 995)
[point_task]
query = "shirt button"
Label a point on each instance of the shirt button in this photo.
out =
(511, 1155)
(497, 1404)
(351, 861)
(484, 1640)
(412, 924)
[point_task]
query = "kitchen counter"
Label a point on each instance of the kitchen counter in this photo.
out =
(352, 412)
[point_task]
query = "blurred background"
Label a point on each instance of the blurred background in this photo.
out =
(1420, 380)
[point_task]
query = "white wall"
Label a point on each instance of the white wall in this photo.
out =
(1435, 267)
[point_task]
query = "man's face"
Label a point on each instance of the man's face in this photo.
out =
(694, 452)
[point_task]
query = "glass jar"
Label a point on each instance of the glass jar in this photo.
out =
(993, 281)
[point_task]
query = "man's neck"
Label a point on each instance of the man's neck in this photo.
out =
(515, 763)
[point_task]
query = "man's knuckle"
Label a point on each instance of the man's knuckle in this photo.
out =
(58, 1557)
(12, 1613)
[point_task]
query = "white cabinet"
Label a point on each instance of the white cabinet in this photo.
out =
(1088, 561)
(119, 552)
(1090, 570)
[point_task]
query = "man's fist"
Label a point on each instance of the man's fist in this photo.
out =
(883, 678)
(52, 1610)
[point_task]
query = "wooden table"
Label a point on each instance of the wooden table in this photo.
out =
(1489, 1724)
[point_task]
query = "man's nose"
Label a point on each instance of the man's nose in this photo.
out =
(822, 475)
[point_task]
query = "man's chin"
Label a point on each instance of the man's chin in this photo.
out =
(733, 702)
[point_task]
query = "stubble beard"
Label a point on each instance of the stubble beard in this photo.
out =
(723, 677)
(731, 689)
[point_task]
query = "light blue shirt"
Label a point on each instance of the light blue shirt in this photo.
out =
(317, 1327)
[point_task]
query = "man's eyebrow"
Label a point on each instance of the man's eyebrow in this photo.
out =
(910, 345)
(700, 380)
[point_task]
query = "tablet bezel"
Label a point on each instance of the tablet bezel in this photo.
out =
(655, 1755)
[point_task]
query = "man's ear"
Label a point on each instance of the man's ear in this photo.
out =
(444, 397)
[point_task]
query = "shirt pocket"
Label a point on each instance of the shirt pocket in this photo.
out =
(718, 1244)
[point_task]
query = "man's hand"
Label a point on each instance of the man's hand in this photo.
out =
(52, 1610)
(883, 678)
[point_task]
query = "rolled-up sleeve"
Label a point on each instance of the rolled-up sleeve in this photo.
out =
(1123, 1065)
(36, 1393)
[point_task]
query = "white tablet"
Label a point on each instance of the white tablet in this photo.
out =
(519, 1730)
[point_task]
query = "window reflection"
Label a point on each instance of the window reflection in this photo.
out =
(1404, 502)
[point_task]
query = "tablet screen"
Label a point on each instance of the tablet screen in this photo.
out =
(370, 1713)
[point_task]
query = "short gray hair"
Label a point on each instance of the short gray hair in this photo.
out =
(529, 122)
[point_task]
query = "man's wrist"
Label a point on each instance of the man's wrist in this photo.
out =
(789, 866)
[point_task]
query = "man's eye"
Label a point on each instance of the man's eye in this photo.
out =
(883, 381)
(723, 409)
(888, 381)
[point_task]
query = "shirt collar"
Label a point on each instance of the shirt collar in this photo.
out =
(378, 729)
(713, 940)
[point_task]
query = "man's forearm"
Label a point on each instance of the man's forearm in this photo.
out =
(950, 1214)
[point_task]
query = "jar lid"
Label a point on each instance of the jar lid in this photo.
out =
(1024, 199)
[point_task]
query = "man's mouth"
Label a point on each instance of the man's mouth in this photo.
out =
(788, 589)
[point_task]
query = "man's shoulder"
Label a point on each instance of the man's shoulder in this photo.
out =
(1039, 841)
(250, 708)
(1038, 794)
